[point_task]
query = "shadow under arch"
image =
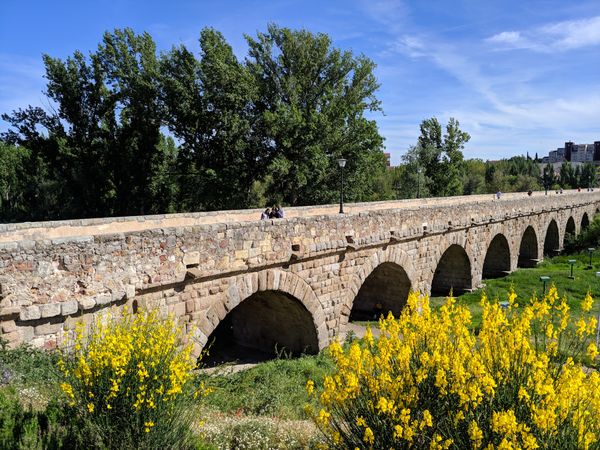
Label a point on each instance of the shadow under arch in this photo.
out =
(384, 290)
(528, 249)
(262, 327)
(497, 258)
(552, 239)
(585, 221)
(570, 231)
(453, 272)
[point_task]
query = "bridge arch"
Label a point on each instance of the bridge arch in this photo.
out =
(497, 258)
(552, 239)
(570, 230)
(528, 249)
(585, 222)
(453, 272)
(389, 272)
(262, 312)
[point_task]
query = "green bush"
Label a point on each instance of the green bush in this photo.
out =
(23, 428)
(131, 384)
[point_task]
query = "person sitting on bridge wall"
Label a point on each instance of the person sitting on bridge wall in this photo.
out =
(266, 214)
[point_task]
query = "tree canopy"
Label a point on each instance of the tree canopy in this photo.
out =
(132, 131)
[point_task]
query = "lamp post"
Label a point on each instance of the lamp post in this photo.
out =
(590, 251)
(544, 280)
(572, 263)
(342, 164)
(418, 182)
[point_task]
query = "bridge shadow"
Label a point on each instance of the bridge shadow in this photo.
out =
(267, 325)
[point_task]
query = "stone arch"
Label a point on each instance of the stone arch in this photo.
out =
(453, 272)
(497, 258)
(528, 249)
(552, 239)
(585, 221)
(261, 310)
(400, 262)
(385, 290)
(570, 230)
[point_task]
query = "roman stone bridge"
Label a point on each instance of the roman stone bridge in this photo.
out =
(290, 283)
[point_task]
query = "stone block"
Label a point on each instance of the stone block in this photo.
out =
(9, 311)
(103, 299)
(129, 291)
(69, 307)
(178, 309)
(191, 258)
(9, 326)
(30, 313)
(86, 303)
(48, 328)
(12, 337)
(50, 310)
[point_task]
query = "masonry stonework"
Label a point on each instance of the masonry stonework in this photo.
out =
(302, 274)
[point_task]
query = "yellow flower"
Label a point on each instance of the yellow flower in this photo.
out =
(90, 407)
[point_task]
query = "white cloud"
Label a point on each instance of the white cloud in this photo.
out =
(557, 36)
(506, 37)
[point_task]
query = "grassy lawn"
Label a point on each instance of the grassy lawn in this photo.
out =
(526, 282)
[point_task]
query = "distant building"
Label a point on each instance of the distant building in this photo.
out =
(388, 160)
(574, 153)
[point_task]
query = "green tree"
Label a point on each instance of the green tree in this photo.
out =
(588, 177)
(568, 180)
(310, 109)
(210, 109)
(13, 182)
(98, 153)
(548, 177)
(474, 177)
(440, 156)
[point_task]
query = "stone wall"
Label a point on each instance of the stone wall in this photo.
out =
(200, 269)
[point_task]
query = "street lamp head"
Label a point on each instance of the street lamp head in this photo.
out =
(342, 162)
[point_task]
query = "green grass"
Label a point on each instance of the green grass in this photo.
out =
(526, 282)
(274, 388)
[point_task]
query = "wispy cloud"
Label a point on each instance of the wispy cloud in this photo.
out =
(557, 36)
(21, 82)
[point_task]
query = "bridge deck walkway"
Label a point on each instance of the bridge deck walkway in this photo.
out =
(108, 225)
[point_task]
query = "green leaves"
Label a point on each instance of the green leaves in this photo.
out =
(269, 128)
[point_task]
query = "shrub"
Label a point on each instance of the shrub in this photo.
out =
(23, 428)
(130, 382)
(430, 382)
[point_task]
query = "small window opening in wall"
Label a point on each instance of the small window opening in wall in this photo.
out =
(350, 239)
(295, 247)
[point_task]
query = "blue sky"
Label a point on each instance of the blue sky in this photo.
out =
(518, 75)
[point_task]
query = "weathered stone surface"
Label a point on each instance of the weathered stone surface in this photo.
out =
(50, 310)
(203, 267)
(30, 313)
(48, 328)
(86, 303)
(69, 307)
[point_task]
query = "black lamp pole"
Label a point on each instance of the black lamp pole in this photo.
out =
(418, 182)
(342, 164)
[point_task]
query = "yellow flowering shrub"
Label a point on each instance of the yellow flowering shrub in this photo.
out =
(131, 379)
(430, 382)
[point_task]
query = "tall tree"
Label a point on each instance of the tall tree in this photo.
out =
(311, 106)
(440, 155)
(209, 108)
(101, 148)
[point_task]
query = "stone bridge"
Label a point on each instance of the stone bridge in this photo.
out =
(290, 283)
